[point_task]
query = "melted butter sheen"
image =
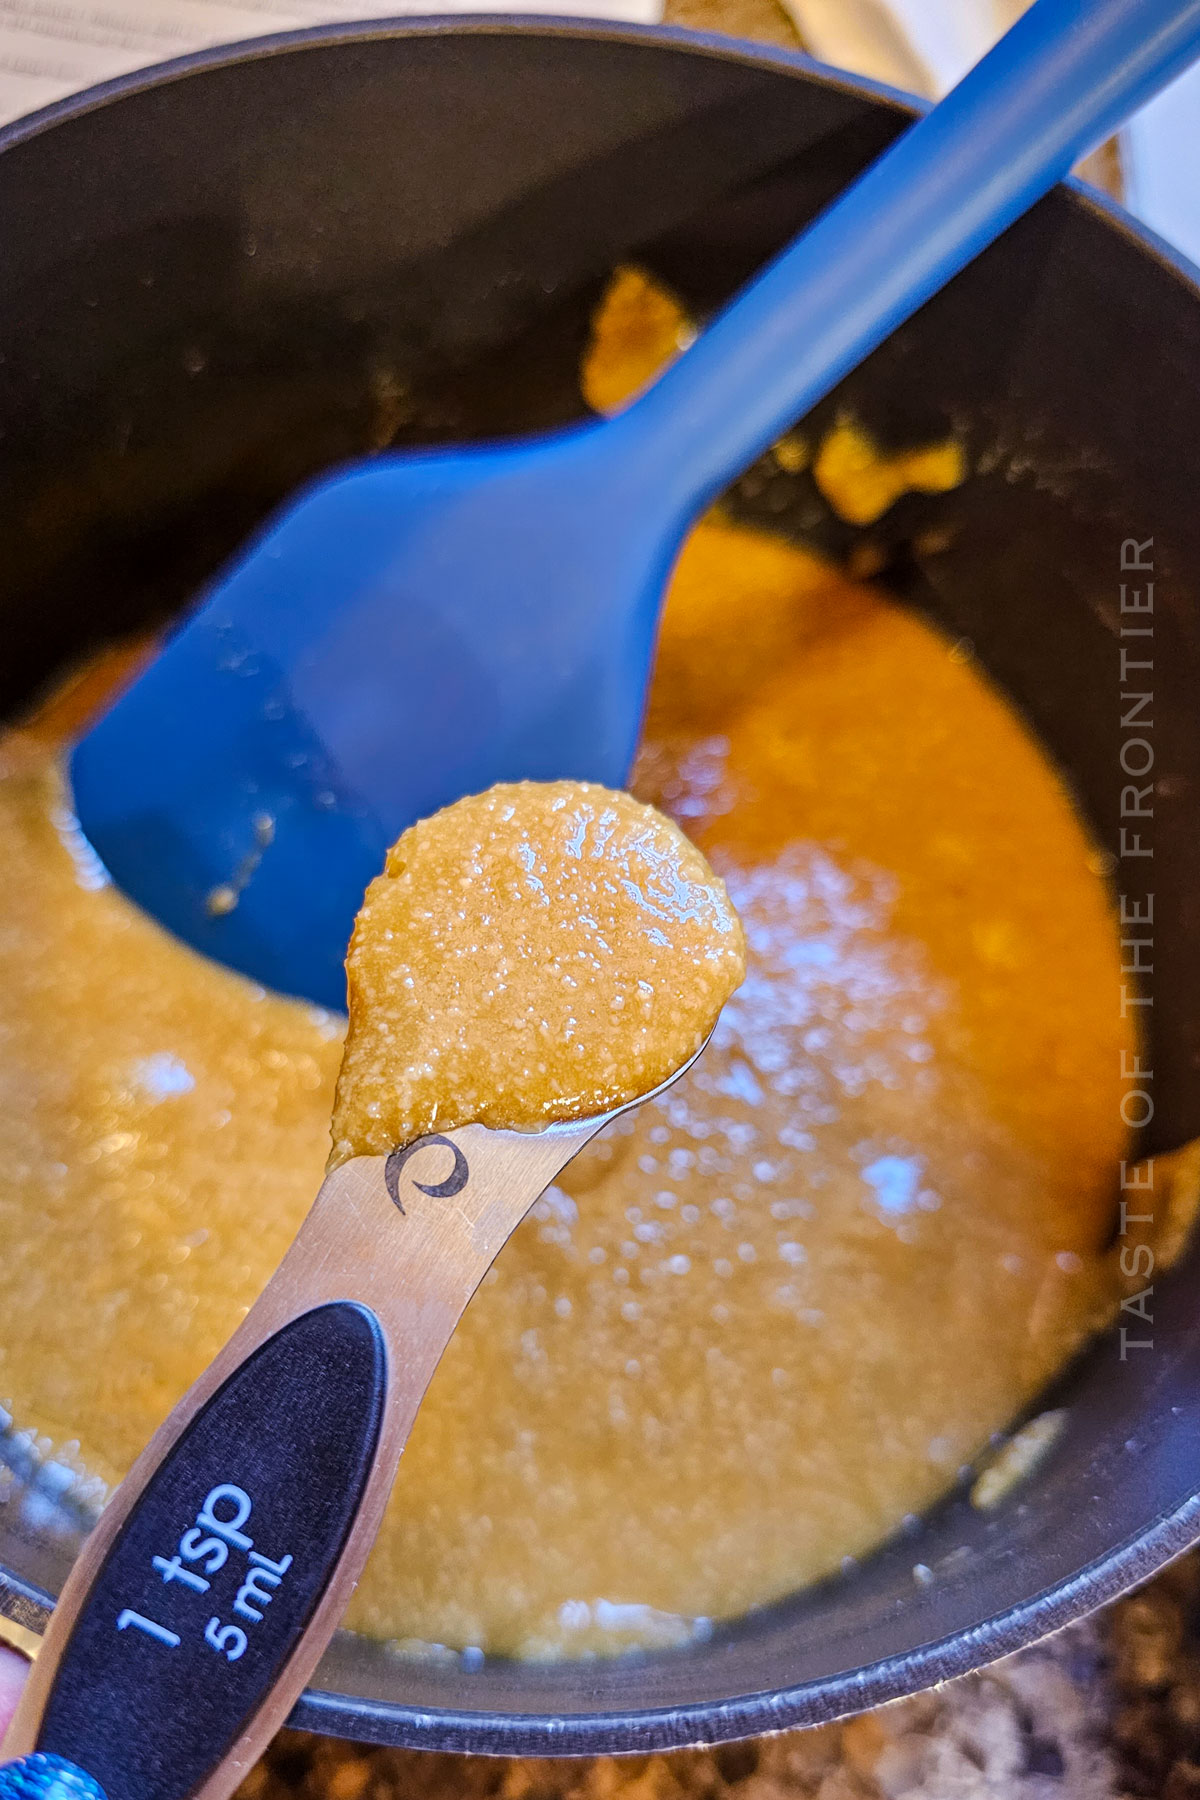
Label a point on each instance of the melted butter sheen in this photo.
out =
(547, 950)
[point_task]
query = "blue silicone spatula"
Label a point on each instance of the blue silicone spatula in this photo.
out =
(420, 626)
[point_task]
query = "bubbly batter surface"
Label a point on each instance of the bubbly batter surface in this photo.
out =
(547, 950)
(758, 1321)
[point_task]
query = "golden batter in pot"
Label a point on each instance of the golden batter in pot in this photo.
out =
(759, 1321)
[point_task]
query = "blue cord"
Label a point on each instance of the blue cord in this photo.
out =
(42, 1777)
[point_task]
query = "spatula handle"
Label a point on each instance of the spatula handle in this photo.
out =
(1065, 76)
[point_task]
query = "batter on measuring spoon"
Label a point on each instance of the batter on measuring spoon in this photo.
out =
(544, 951)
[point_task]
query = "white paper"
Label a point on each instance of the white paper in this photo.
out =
(1162, 164)
(50, 48)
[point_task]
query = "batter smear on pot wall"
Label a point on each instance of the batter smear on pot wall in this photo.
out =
(759, 1321)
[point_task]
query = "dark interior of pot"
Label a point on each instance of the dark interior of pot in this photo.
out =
(233, 278)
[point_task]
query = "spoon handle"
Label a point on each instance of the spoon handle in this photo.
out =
(221, 1567)
(1065, 75)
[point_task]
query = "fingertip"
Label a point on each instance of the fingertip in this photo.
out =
(13, 1671)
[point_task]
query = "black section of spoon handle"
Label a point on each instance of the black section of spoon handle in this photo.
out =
(217, 1571)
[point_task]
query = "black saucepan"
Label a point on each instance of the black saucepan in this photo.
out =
(220, 278)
